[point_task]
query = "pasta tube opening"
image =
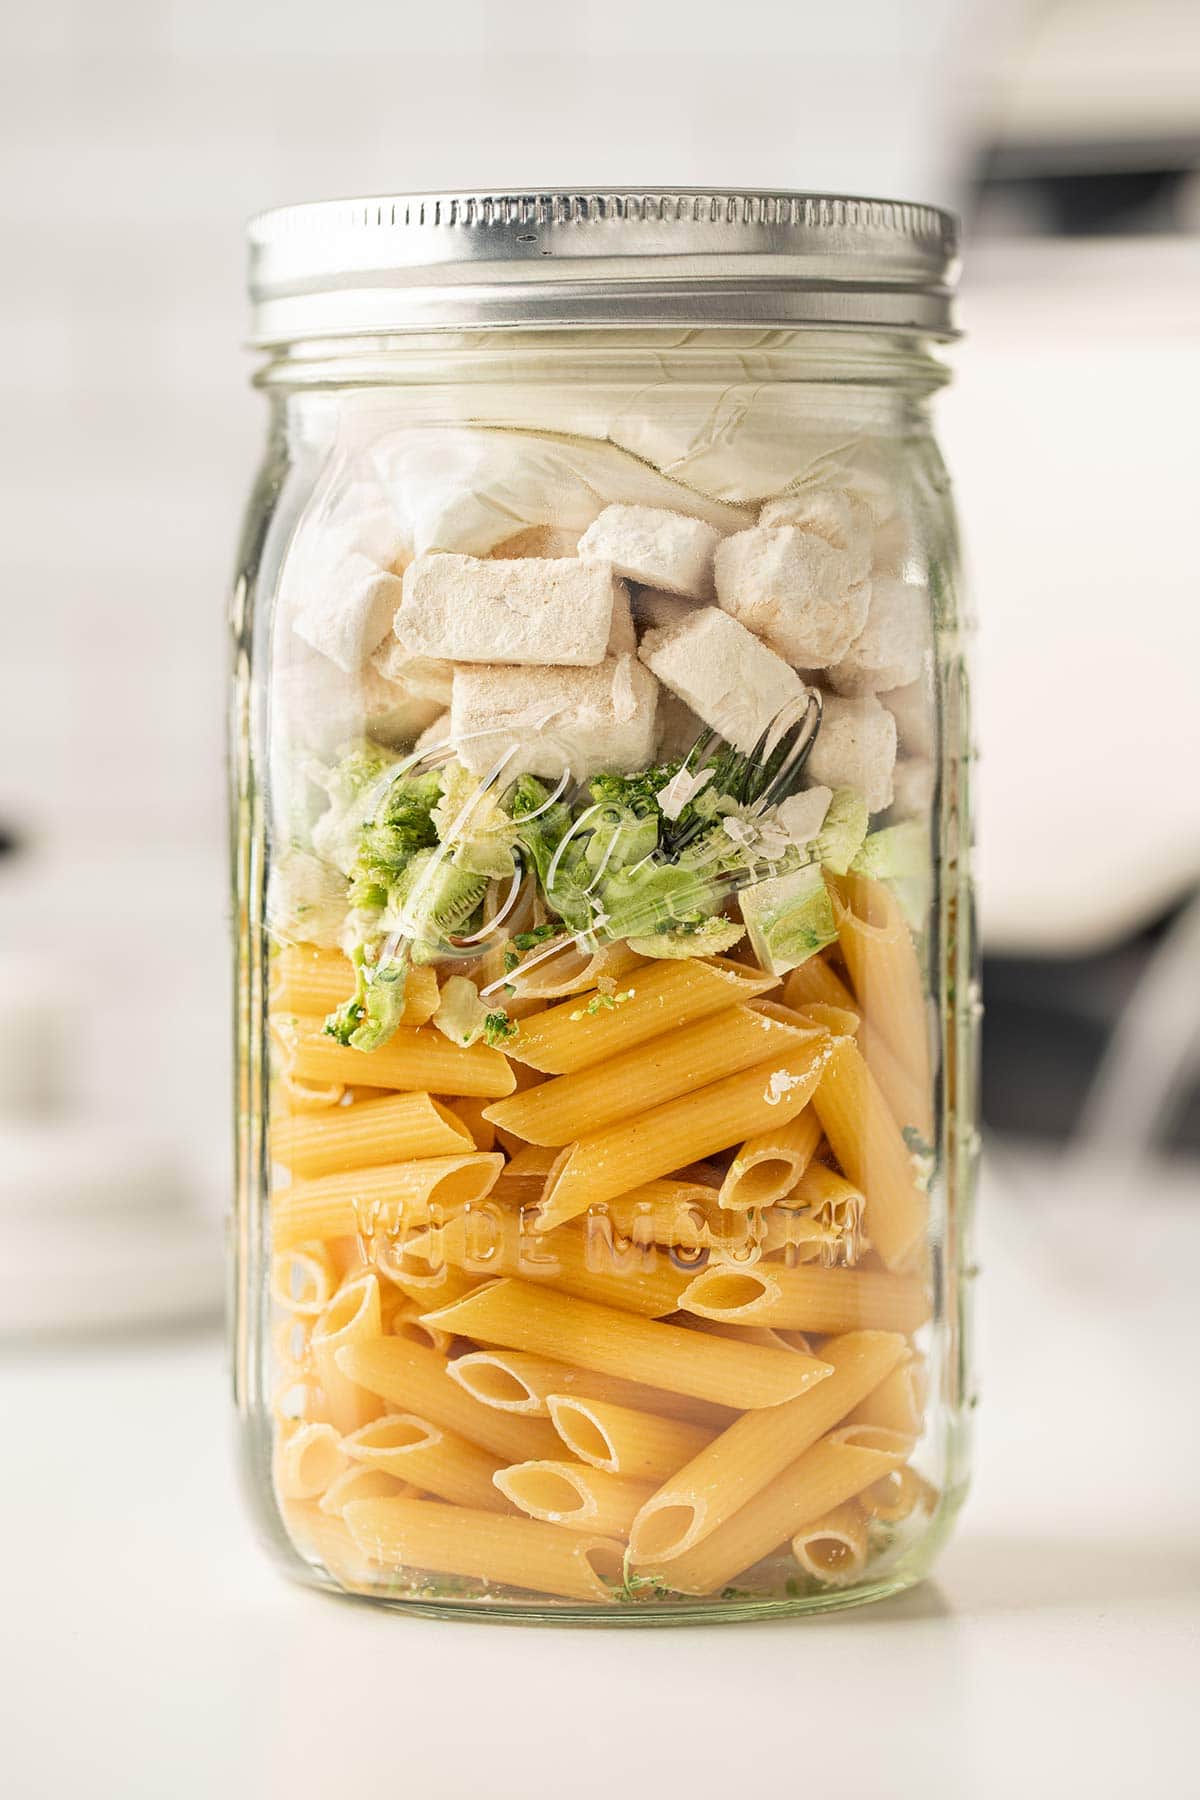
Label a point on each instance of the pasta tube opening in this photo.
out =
(495, 1381)
(833, 1549)
(582, 1433)
(307, 1461)
(662, 1531)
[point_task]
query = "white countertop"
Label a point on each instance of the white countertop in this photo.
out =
(149, 1650)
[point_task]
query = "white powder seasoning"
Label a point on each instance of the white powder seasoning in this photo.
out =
(779, 1084)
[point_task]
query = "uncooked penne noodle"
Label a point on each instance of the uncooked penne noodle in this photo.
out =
(820, 1220)
(365, 1201)
(625, 1442)
(306, 980)
(289, 1343)
(574, 1495)
(881, 958)
(359, 1481)
(816, 983)
(469, 1108)
(766, 1335)
(524, 1317)
(676, 1062)
(521, 1382)
(867, 1143)
(897, 1495)
(609, 1162)
(413, 1379)
(837, 1468)
(909, 1101)
(393, 1129)
(352, 1317)
(897, 1403)
(659, 996)
(808, 1298)
(758, 1447)
(833, 1548)
(838, 1021)
(770, 1163)
(306, 1461)
(424, 1286)
(491, 1547)
(325, 1539)
(430, 1458)
(562, 968)
(422, 1060)
(303, 1278)
(669, 1211)
(295, 1095)
(489, 1241)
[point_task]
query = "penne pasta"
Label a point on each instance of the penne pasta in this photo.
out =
(490, 1547)
(410, 1377)
(489, 1241)
(359, 1481)
(574, 1495)
(622, 1441)
(523, 1317)
(770, 1163)
(867, 1143)
(469, 1110)
(611, 1161)
(303, 1279)
(838, 1467)
(909, 1101)
(881, 958)
(756, 1449)
(384, 1199)
(668, 1211)
(521, 1382)
(295, 1095)
(808, 1298)
(581, 1032)
(897, 1495)
(676, 1062)
(421, 1060)
(430, 1458)
(833, 1548)
(306, 980)
(820, 1220)
(306, 1461)
(565, 968)
(393, 1129)
(898, 1403)
(352, 1317)
(325, 1539)
(815, 983)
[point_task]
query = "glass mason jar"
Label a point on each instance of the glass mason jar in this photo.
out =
(606, 979)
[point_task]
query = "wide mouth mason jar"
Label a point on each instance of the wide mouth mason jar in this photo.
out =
(606, 987)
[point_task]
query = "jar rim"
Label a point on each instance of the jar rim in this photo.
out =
(600, 258)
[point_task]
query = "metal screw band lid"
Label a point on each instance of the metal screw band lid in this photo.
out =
(597, 257)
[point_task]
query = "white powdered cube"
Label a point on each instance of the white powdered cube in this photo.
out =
(424, 675)
(856, 748)
(801, 596)
(890, 650)
(912, 787)
(344, 604)
(664, 549)
(555, 721)
(317, 704)
(652, 608)
(841, 518)
(722, 671)
(532, 610)
(912, 707)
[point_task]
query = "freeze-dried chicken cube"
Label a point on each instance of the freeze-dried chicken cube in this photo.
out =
(664, 549)
(890, 649)
(802, 596)
(722, 671)
(856, 748)
(532, 610)
(555, 721)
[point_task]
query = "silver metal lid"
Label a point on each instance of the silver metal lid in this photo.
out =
(601, 258)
